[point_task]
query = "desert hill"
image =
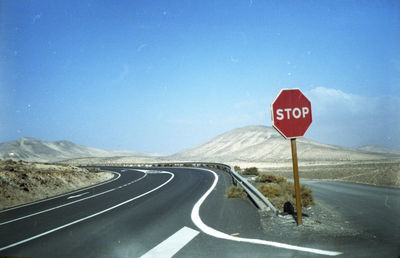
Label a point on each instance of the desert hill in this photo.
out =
(378, 149)
(255, 144)
(35, 150)
(265, 144)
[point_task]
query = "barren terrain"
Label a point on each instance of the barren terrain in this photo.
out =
(252, 146)
(380, 173)
(265, 144)
(36, 150)
(23, 182)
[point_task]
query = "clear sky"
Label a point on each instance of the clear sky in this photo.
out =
(162, 76)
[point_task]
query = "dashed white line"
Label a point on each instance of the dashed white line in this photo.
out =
(170, 246)
(90, 216)
(76, 196)
(218, 234)
(62, 195)
(69, 203)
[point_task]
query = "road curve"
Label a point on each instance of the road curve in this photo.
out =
(93, 222)
(146, 213)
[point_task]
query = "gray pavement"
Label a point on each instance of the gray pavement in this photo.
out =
(148, 215)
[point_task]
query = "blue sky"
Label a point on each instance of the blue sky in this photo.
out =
(162, 76)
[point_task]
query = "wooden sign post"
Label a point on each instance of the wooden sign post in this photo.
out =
(291, 117)
(296, 182)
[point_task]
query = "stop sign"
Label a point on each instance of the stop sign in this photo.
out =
(291, 113)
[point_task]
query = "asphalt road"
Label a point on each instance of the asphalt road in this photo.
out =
(163, 206)
(180, 212)
(375, 210)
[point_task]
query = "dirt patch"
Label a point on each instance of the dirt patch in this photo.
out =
(24, 182)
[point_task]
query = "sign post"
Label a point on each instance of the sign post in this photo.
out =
(296, 182)
(291, 117)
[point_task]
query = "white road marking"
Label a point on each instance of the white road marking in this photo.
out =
(170, 246)
(90, 216)
(69, 203)
(143, 170)
(218, 234)
(76, 196)
(386, 201)
(62, 195)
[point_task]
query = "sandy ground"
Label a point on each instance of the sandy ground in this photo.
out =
(381, 173)
(23, 182)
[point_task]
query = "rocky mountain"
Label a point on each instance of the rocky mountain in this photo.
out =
(35, 150)
(265, 144)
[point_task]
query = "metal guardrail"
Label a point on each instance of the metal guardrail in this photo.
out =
(258, 198)
(261, 201)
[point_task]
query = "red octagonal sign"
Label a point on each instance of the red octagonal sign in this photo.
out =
(291, 113)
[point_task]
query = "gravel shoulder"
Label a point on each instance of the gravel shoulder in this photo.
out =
(321, 222)
(23, 182)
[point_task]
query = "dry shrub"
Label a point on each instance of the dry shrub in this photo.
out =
(235, 192)
(280, 193)
(93, 169)
(270, 191)
(306, 196)
(237, 168)
(251, 171)
(270, 178)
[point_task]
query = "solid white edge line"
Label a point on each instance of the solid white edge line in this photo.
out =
(218, 234)
(170, 246)
(72, 202)
(90, 216)
(65, 194)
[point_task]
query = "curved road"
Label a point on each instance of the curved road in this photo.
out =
(124, 218)
(179, 212)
